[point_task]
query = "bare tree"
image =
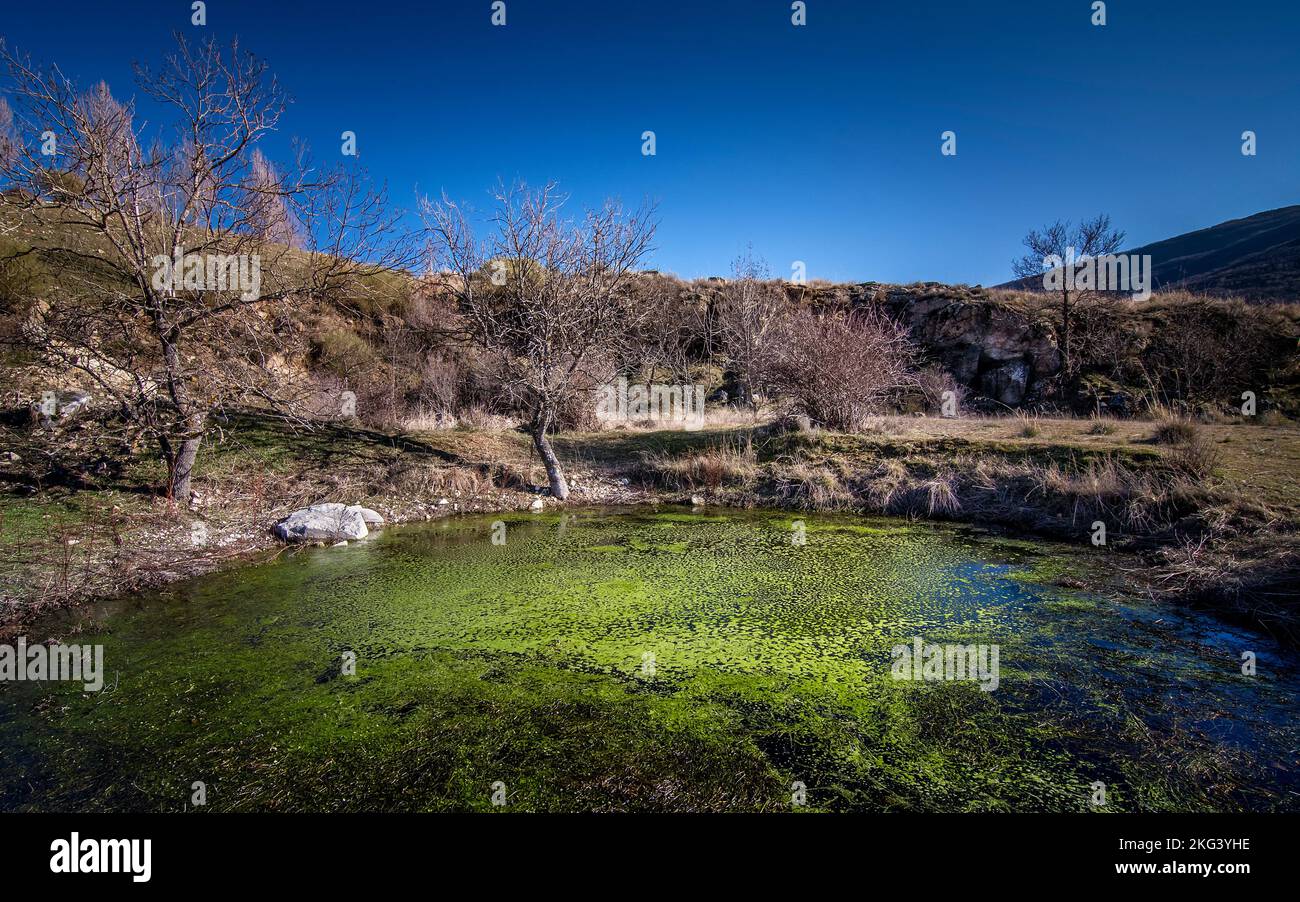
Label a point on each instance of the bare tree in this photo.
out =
(167, 252)
(748, 315)
(8, 142)
(1061, 248)
(545, 298)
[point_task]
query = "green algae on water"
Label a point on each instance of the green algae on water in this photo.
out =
(643, 660)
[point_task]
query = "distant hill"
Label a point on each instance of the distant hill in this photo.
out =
(1256, 258)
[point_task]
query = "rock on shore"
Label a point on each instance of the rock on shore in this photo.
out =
(330, 522)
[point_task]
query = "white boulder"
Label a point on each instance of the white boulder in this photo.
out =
(330, 522)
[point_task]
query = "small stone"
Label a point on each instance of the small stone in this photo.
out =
(538, 504)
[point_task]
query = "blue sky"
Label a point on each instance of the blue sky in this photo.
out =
(818, 143)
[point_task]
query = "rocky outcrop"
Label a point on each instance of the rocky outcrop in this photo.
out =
(1002, 353)
(330, 522)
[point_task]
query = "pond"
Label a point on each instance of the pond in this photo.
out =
(656, 659)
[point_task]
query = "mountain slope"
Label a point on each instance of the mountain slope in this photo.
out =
(1257, 258)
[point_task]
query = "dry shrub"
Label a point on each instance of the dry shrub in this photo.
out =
(440, 383)
(933, 386)
(840, 368)
(1203, 349)
(575, 410)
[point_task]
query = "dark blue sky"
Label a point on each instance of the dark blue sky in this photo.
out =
(819, 143)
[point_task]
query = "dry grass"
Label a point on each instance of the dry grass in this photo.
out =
(1174, 431)
(716, 416)
(424, 420)
(1196, 457)
(1047, 488)
(1029, 426)
(888, 482)
(941, 496)
(812, 487)
(1102, 426)
(883, 425)
(485, 420)
(423, 479)
(724, 464)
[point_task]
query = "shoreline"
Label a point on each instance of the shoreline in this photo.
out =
(1188, 546)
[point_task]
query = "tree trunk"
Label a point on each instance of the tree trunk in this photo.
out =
(1067, 360)
(183, 468)
(745, 395)
(181, 460)
(559, 488)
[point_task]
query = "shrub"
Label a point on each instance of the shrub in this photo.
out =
(1202, 349)
(933, 385)
(440, 381)
(840, 368)
(22, 277)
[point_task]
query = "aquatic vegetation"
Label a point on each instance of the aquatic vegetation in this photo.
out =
(652, 660)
